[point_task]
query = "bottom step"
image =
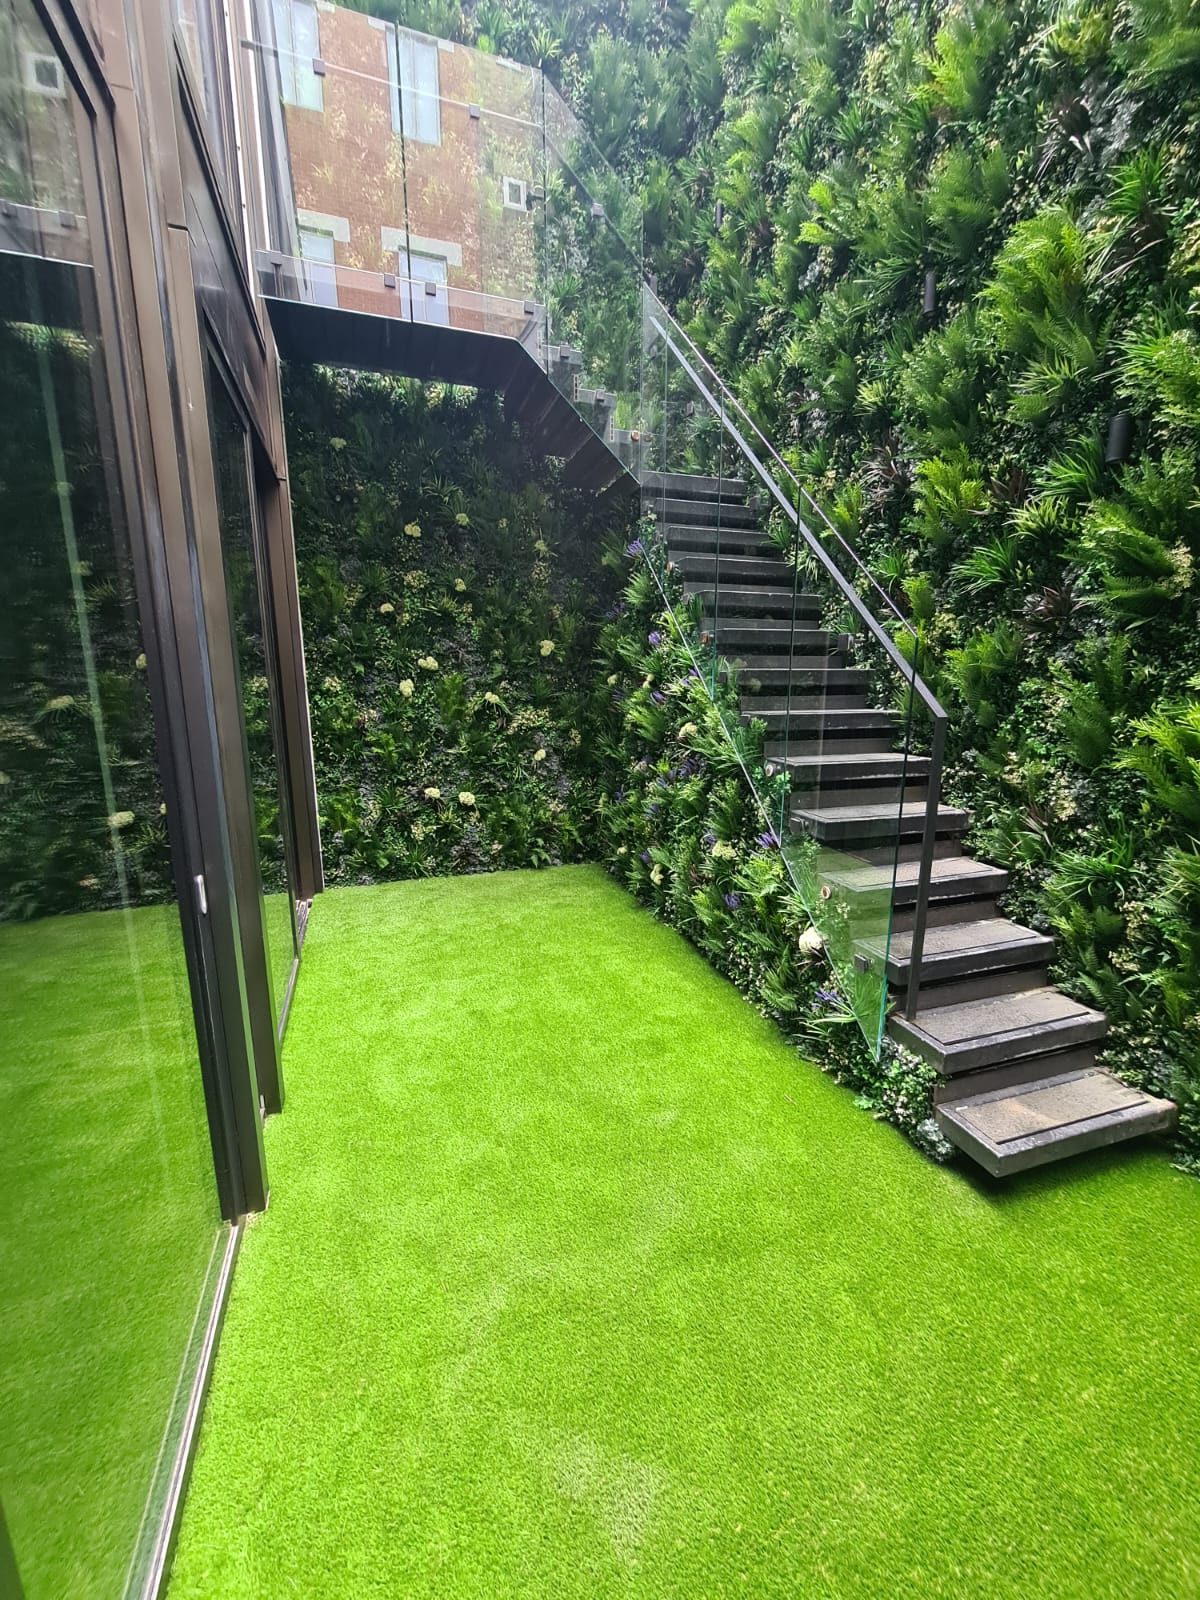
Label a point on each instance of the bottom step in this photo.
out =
(1010, 1130)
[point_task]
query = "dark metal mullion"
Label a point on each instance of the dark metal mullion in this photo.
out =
(156, 630)
(149, 323)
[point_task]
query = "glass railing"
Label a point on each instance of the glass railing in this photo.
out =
(822, 707)
(424, 181)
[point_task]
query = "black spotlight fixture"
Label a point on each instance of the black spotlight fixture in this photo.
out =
(1120, 439)
(929, 294)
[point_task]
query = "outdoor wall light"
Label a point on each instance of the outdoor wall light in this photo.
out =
(597, 209)
(718, 214)
(474, 113)
(929, 298)
(389, 280)
(1120, 439)
(318, 67)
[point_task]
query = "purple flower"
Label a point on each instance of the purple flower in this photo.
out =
(619, 797)
(653, 808)
(664, 783)
(634, 547)
(645, 858)
(767, 841)
(710, 839)
(826, 997)
(655, 639)
(733, 901)
(658, 698)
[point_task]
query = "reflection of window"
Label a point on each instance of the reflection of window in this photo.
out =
(428, 299)
(512, 192)
(316, 249)
(299, 43)
(43, 75)
(415, 92)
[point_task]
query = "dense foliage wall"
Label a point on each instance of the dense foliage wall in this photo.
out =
(803, 166)
(451, 593)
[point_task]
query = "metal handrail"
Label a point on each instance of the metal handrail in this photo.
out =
(750, 423)
(908, 672)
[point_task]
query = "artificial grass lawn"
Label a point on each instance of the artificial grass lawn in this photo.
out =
(576, 1282)
(110, 1237)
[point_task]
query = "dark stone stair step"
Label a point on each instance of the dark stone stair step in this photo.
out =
(832, 767)
(758, 665)
(1011, 1130)
(1012, 1074)
(814, 724)
(743, 571)
(951, 878)
(713, 541)
(730, 514)
(884, 820)
(774, 607)
(693, 486)
(965, 1037)
(755, 680)
(964, 949)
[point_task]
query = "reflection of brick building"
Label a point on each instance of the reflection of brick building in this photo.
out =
(411, 157)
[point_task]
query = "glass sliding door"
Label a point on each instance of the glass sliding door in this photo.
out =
(247, 582)
(112, 1240)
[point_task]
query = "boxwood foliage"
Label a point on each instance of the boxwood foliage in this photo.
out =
(451, 592)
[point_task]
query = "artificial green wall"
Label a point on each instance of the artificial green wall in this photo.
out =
(451, 593)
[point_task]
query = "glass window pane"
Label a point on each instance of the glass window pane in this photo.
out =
(297, 38)
(419, 89)
(112, 1235)
(242, 551)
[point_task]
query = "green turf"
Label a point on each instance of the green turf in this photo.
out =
(576, 1282)
(109, 1229)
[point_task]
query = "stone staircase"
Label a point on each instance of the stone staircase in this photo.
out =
(1019, 1085)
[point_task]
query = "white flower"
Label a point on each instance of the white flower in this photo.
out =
(547, 647)
(541, 547)
(612, 678)
(810, 942)
(120, 819)
(656, 874)
(386, 609)
(688, 729)
(723, 850)
(539, 755)
(466, 798)
(413, 530)
(406, 688)
(462, 519)
(433, 794)
(140, 663)
(459, 586)
(623, 850)
(429, 663)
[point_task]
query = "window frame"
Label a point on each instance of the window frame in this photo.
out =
(416, 110)
(299, 85)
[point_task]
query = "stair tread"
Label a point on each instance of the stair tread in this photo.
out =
(983, 937)
(1013, 1016)
(876, 714)
(906, 873)
(880, 811)
(1008, 1130)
